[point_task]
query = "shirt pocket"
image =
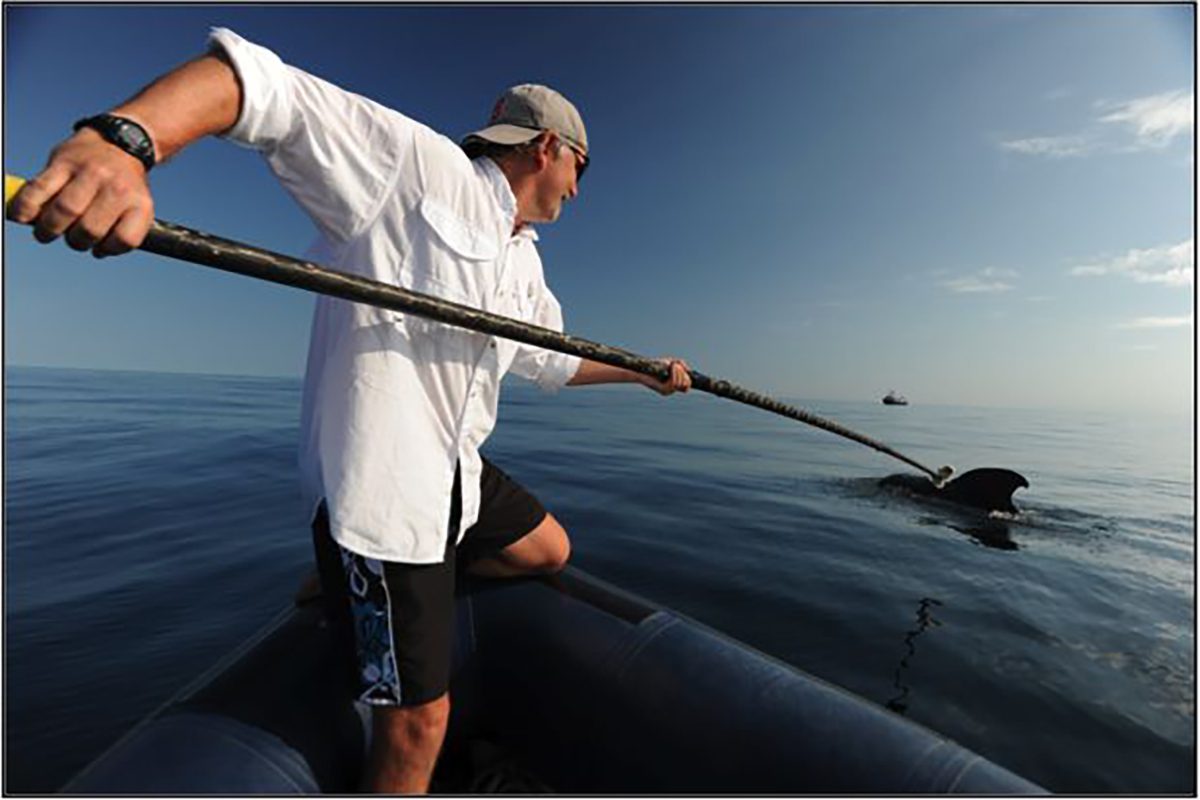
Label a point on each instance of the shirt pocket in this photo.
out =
(449, 257)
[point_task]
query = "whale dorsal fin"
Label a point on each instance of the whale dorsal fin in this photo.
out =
(990, 488)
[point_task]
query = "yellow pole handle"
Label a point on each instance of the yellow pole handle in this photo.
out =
(12, 185)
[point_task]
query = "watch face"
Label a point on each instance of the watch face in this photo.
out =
(132, 137)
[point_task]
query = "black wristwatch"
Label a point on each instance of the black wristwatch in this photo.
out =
(125, 134)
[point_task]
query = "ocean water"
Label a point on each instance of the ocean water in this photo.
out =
(152, 522)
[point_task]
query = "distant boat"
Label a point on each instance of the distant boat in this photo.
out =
(893, 399)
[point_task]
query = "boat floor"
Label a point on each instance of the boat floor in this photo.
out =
(481, 766)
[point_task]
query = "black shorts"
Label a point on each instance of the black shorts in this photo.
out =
(398, 619)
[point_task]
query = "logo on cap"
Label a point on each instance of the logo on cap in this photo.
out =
(498, 110)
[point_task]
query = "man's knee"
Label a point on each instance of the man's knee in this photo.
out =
(545, 550)
(556, 547)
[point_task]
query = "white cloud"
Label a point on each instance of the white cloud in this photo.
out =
(991, 279)
(1143, 123)
(1050, 146)
(1143, 323)
(1157, 119)
(1170, 265)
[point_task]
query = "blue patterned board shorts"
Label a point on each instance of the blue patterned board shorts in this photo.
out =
(398, 619)
(370, 609)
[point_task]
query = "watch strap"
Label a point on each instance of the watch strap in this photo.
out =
(123, 133)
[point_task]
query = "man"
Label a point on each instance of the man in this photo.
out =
(395, 408)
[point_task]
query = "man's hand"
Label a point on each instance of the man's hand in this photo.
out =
(97, 194)
(680, 379)
(94, 193)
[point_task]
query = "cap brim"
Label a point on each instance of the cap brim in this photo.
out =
(504, 134)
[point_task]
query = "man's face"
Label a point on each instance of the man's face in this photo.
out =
(558, 181)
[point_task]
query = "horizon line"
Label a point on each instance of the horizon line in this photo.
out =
(805, 401)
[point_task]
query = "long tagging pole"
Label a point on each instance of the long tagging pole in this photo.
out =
(175, 241)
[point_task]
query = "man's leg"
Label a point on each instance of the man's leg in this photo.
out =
(394, 622)
(405, 742)
(514, 534)
(543, 551)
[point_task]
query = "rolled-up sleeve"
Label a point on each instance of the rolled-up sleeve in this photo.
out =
(337, 153)
(267, 110)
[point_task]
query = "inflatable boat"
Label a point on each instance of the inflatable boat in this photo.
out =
(565, 685)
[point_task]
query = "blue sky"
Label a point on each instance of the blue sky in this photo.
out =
(975, 204)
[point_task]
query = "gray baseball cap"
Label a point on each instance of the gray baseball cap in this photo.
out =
(524, 111)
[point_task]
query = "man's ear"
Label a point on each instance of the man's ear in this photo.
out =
(543, 153)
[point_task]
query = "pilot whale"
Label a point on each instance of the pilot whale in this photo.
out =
(989, 489)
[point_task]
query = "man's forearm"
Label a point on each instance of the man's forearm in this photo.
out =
(590, 372)
(197, 99)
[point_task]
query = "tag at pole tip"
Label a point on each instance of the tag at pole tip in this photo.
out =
(943, 475)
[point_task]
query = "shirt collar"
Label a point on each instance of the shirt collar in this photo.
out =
(504, 196)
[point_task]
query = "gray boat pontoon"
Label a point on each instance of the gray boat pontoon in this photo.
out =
(579, 686)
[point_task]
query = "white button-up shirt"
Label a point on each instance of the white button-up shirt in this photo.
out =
(392, 401)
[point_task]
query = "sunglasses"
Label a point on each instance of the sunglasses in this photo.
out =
(581, 161)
